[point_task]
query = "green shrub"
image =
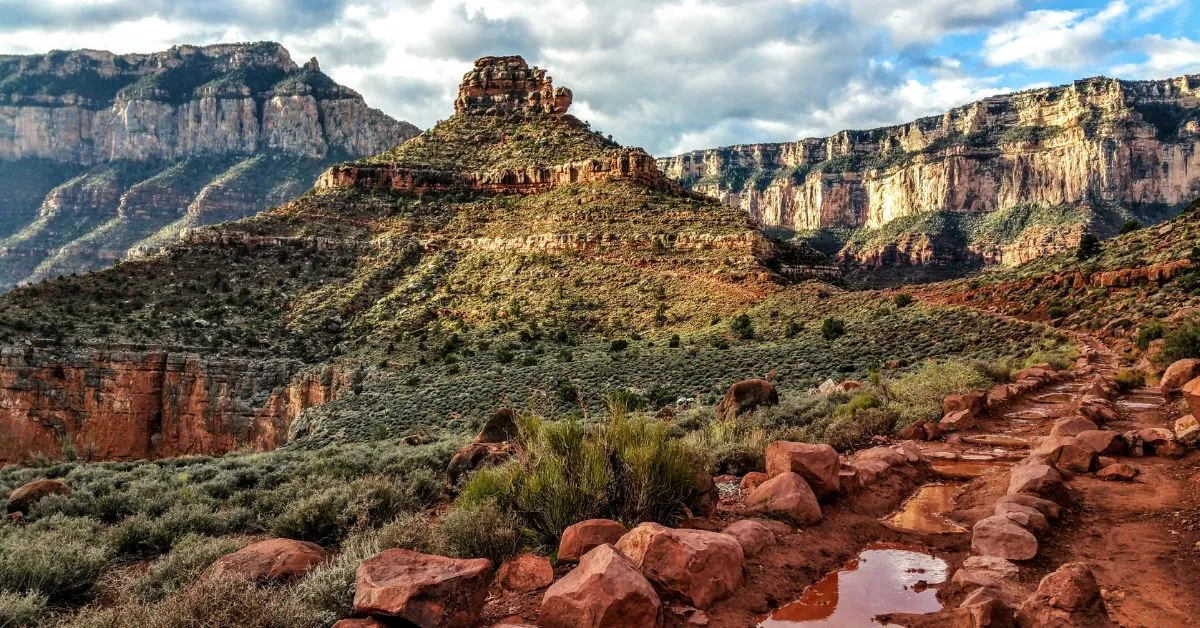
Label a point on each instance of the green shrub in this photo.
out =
(326, 517)
(793, 329)
(480, 530)
(1089, 246)
(150, 535)
(742, 327)
(1182, 342)
(629, 468)
(736, 447)
(59, 557)
(190, 556)
(22, 610)
(327, 592)
(620, 344)
(414, 531)
(1057, 312)
(1149, 332)
(1129, 226)
(856, 430)
(903, 299)
(858, 402)
(918, 395)
(1128, 379)
(832, 328)
(674, 342)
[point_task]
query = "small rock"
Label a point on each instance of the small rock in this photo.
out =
(957, 421)
(753, 536)
(1187, 430)
(1120, 472)
(786, 495)
(1037, 479)
(1103, 442)
(1067, 452)
(982, 610)
(273, 560)
(579, 538)
(358, 623)
(1191, 394)
(745, 396)
(1179, 373)
(1072, 426)
(992, 563)
(972, 402)
(751, 480)
(1000, 536)
(1025, 516)
(817, 464)
(1069, 596)
(606, 590)
(501, 428)
(525, 573)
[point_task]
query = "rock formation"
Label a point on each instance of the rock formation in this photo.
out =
(499, 84)
(1095, 143)
(110, 154)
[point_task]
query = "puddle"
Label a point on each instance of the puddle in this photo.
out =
(922, 513)
(963, 469)
(996, 440)
(1059, 397)
(885, 578)
(1138, 405)
(1034, 413)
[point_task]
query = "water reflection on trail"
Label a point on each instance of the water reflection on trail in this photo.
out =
(923, 513)
(885, 578)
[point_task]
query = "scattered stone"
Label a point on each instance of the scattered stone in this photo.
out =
(423, 589)
(1000, 536)
(1067, 452)
(745, 396)
(817, 464)
(751, 480)
(966, 579)
(273, 560)
(1187, 430)
(916, 431)
(1159, 440)
(992, 563)
(849, 386)
(982, 609)
(1025, 516)
(974, 403)
(21, 498)
(1072, 426)
(1068, 597)
(1170, 449)
(779, 528)
(579, 538)
(786, 495)
(697, 566)
(1120, 472)
(1103, 442)
(1178, 374)
(606, 590)
(1037, 479)
(1191, 394)
(753, 536)
(501, 428)
(957, 421)
(525, 573)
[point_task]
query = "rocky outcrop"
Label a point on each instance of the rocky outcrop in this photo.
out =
(506, 84)
(1129, 143)
(203, 134)
(135, 405)
(24, 496)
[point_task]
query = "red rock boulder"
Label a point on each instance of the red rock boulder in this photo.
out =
(1179, 373)
(1037, 479)
(525, 573)
(1191, 394)
(746, 396)
(786, 495)
(974, 403)
(1001, 537)
(1119, 472)
(752, 535)
(475, 456)
(1072, 426)
(1103, 442)
(579, 538)
(751, 480)
(1068, 597)
(817, 464)
(606, 590)
(697, 566)
(1067, 452)
(273, 560)
(1048, 508)
(21, 498)
(501, 428)
(957, 421)
(423, 589)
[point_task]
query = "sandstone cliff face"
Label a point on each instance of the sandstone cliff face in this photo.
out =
(135, 405)
(1097, 140)
(116, 115)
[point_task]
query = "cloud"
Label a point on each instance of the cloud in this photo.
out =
(1153, 8)
(1054, 39)
(1164, 58)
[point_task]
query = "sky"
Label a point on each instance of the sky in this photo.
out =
(667, 75)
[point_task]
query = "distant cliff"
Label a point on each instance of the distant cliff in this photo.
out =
(104, 154)
(1101, 148)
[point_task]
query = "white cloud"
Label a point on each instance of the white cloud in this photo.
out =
(929, 20)
(1153, 8)
(1054, 39)
(1164, 58)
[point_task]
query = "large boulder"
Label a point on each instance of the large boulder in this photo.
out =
(745, 396)
(474, 456)
(957, 421)
(606, 590)
(1191, 394)
(525, 573)
(1103, 442)
(973, 402)
(1072, 426)
(1158, 440)
(1068, 453)
(273, 560)
(21, 498)
(1048, 508)
(752, 535)
(1025, 516)
(423, 589)
(1037, 479)
(1068, 597)
(697, 566)
(579, 538)
(1179, 373)
(1001, 537)
(788, 496)
(817, 464)
(501, 428)
(983, 609)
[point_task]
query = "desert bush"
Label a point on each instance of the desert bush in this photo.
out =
(327, 592)
(22, 610)
(1149, 332)
(903, 299)
(856, 430)
(1182, 342)
(480, 530)
(1128, 379)
(742, 327)
(189, 557)
(326, 517)
(862, 401)
(832, 328)
(918, 395)
(59, 557)
(414, 531)
(151, 535)
(629, 468)
(736, 447)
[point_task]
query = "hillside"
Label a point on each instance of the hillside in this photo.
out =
(1002, 180)
(104, 156)
(509, 255)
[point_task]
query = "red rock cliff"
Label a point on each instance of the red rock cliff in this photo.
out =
(125, 406)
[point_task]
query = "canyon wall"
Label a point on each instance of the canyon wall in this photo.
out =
(1096, 141)
(120, 152)
(123, 405)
